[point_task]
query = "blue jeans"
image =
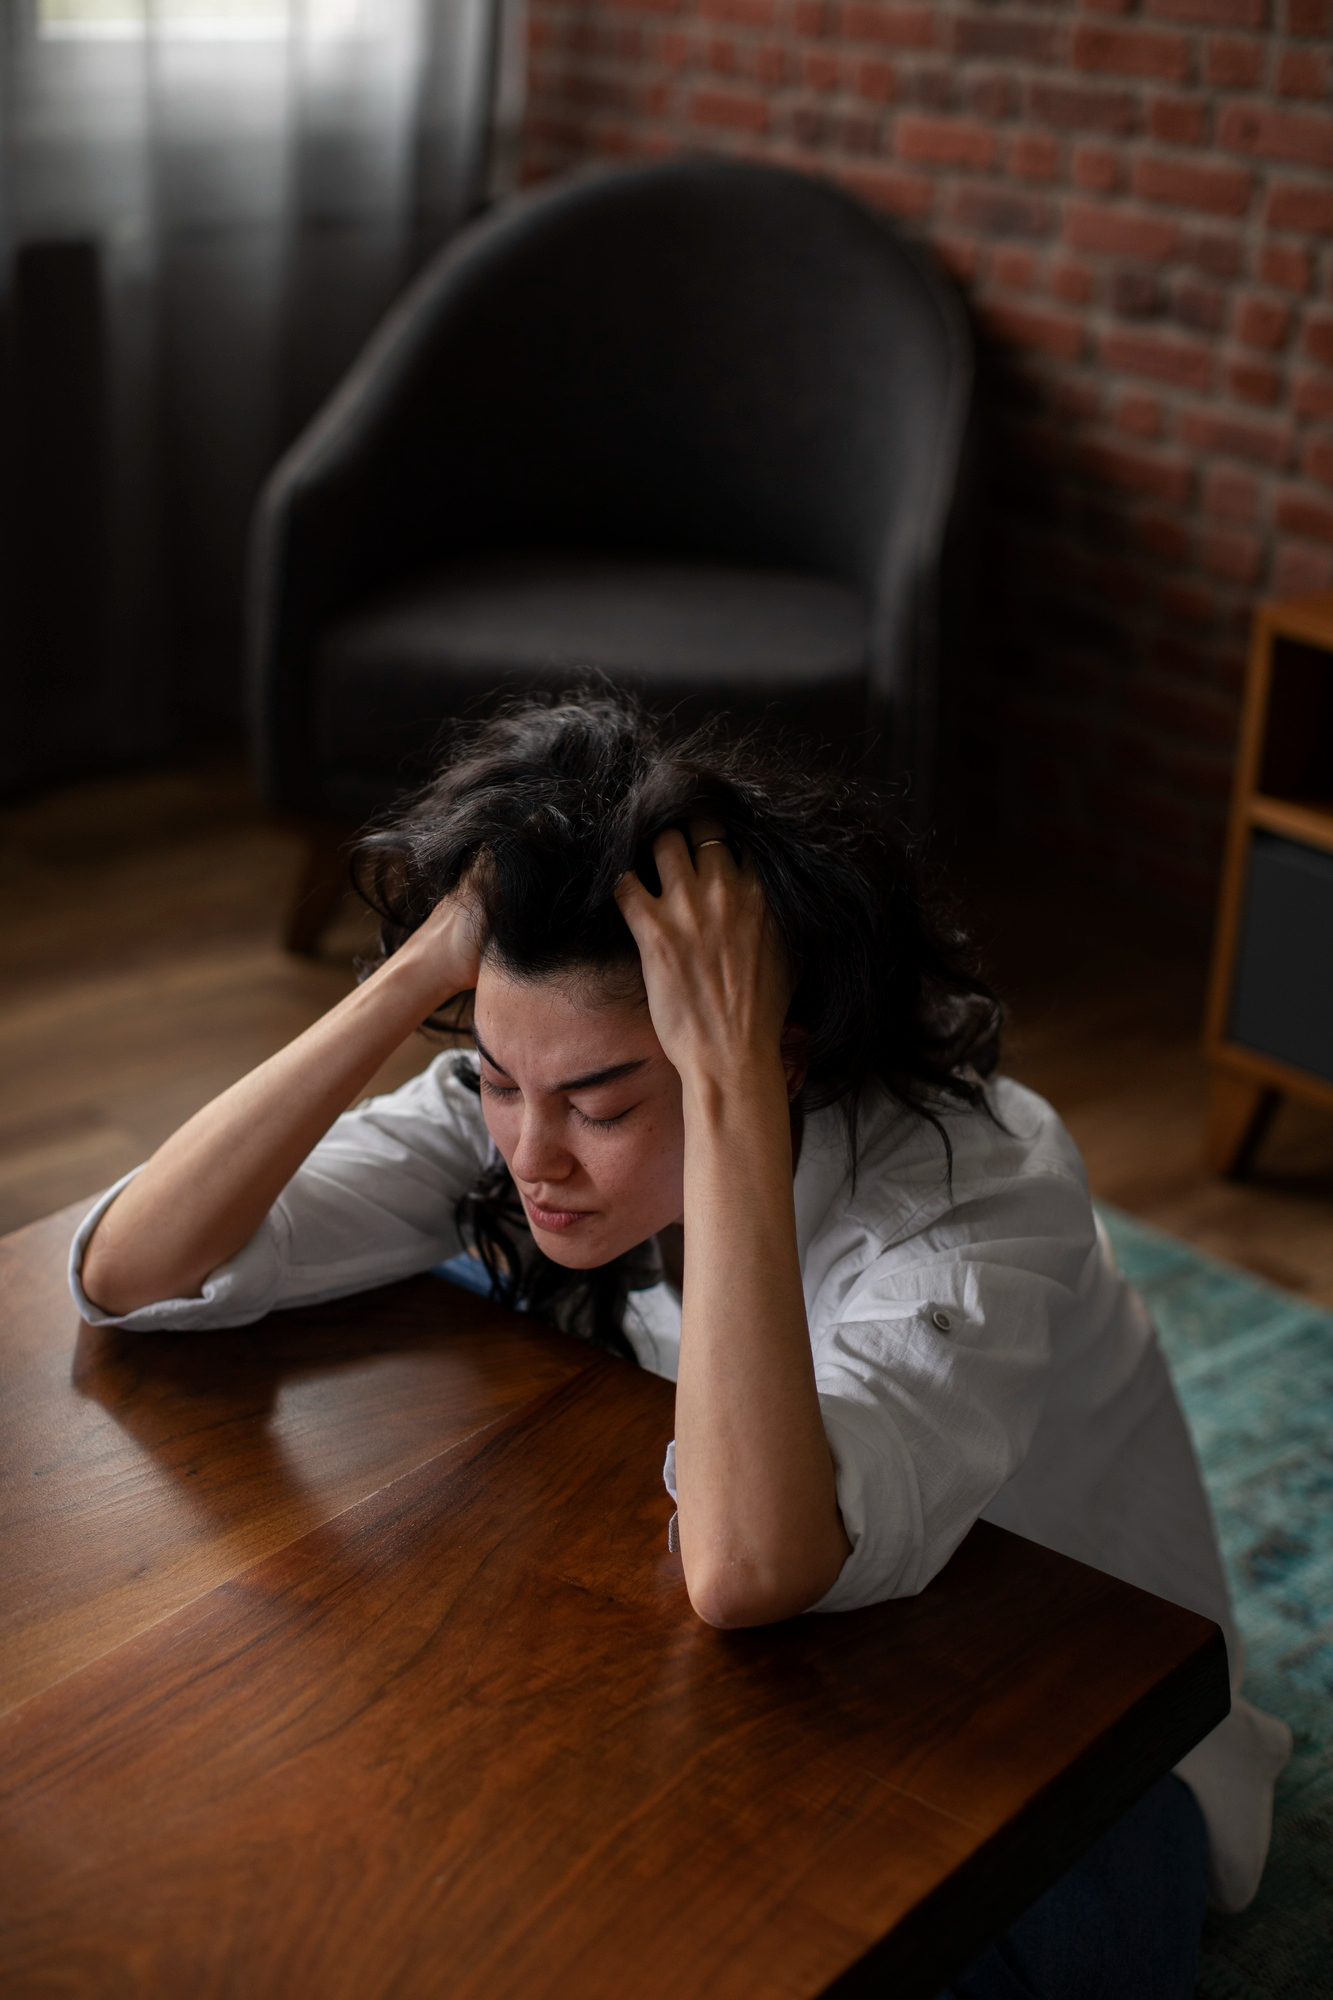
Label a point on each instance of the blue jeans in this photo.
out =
(1123, 1924)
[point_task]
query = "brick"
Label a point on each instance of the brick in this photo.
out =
(808, 125)
(1299, 570)
(1233, 65)
(1271, 134)
(1180, 121)
(770, 62)
(1309, 17)
(1187, 602)
(1182, 714)
(1281, 264)
(960, 253)
(1200, 306)
(821, 69)
(933, 89)
(858, 134)
(1254, 382)
(1312, 396)
(1140, 416)
(730, 110)
(1233, 437)
(1050, 333)
(599, 93)
(996, 35)
(1190, 184)
(1263, 323)
(1073, 396)
(941, 142)
(1132, 52)
(898, 27)
(1078, 108)
(997, 211)
(1318, 459)
(1301, 514)
(813, 17)
(1302, 73)
(1232, 496)
(1015, 269)
(1163, 537)
(1096, 169)
(1306, 206)
(1120, 232)
(1319, 339)
(753, 13)
(1034, 156)
(1212, 13)
(1136, 294)
(1138, 472)
(994, 96)
(904, 194)
(1219, 256)
(1189, 364)
(876, 80)
(1072, 282)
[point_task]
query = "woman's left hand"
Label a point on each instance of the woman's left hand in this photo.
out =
(717, 976)
(760, 1532)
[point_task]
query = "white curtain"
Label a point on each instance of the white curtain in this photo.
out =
(205, 205)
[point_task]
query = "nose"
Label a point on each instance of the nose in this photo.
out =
(539, 1155)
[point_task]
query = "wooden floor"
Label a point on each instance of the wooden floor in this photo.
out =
(141, 970)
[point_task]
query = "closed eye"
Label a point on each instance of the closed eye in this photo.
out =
(498, 1089)
(599, 1124)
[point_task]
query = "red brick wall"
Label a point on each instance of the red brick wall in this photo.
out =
(1138, 199)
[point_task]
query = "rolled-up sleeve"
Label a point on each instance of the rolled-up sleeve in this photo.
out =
(933, 1375)
(373, 1202)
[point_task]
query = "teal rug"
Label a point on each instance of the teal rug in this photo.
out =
(1254, 1370)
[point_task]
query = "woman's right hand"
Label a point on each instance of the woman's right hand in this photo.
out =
(445, 950)
(206, 1191)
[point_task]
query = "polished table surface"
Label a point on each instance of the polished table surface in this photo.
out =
(343, 1656)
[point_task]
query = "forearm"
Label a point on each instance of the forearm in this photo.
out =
(761, 1536)
(206, 1191)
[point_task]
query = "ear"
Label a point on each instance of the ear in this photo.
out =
(795, 1047)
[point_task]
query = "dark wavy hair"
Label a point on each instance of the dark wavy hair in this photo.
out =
(563, 793)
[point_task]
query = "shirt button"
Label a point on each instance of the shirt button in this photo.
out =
(942, 1321)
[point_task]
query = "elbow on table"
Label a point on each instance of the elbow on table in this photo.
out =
(117, 1290)
(732, 1597)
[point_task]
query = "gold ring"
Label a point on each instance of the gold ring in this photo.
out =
(713, 842)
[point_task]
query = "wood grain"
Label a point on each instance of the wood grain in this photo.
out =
(467, 1737)
(141, 1470)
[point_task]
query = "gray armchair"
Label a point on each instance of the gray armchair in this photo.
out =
(697, 423)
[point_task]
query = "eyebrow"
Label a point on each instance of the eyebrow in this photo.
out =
(611, 1074)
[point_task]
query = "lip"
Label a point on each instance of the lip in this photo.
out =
(554, 1218)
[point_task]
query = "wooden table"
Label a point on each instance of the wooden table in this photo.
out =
(343, 1656)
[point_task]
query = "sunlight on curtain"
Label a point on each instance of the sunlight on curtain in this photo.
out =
(205, 207)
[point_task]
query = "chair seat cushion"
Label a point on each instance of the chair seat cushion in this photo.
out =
(387, 675)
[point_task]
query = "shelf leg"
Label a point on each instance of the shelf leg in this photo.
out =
(1239, 1113)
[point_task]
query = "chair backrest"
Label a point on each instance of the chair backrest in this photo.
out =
(698, 357)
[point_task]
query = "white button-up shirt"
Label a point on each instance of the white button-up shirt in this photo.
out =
(976, 1354)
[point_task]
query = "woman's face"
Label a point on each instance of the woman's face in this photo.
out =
(585, 1110)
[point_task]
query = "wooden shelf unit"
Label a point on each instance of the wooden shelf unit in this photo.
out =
(1284, 788)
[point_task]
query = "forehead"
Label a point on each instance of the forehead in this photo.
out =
(544, 1030)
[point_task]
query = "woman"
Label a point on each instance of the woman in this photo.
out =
(705, 990)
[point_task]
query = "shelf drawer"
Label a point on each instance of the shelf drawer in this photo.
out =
(1282, 997)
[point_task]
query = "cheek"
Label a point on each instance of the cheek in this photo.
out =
(502, 1122)
(644, 1167)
